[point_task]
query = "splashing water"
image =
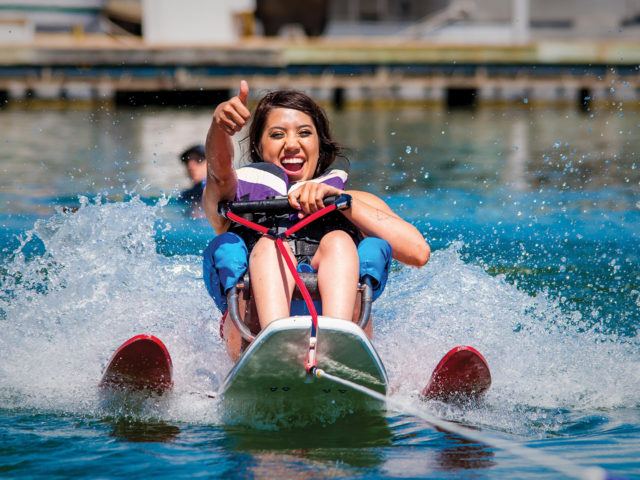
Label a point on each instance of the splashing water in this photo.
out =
(100, 281)
(542, 361)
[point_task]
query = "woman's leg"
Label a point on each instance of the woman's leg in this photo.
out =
(271, 282)
(337, 264)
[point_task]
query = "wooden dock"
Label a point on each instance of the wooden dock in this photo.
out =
(341, 72)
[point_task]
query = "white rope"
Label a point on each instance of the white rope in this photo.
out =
(552, 462)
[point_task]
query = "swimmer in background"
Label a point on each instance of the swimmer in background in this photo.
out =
(193, 158)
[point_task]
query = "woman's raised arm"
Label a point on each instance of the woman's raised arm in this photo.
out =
(228, 118)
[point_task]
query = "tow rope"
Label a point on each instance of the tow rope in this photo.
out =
(342, 201)
(550, 461)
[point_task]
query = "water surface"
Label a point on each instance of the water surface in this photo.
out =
(534, 219)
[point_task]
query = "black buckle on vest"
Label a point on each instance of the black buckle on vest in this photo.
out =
(273, 233)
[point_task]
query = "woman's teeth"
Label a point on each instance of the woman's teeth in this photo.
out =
(292, 164)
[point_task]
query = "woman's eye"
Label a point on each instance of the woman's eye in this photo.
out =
(305, 133)
(276, 135)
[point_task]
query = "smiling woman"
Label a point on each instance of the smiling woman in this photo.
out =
(289, 141)
(305, 120)
(290, 132)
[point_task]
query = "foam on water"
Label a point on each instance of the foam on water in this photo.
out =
(543, 360)
(100, 281)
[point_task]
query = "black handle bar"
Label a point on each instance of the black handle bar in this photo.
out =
(277, 205)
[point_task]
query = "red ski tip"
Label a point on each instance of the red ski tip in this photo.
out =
(462, 374)
(141, 363)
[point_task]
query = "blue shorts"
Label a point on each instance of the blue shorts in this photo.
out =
(226, 260)
(223, 265)
(375, 259)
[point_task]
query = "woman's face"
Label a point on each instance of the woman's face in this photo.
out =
(290, 140)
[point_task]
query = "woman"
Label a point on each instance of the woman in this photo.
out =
(290, 131)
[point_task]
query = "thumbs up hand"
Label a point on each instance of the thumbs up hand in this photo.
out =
(232, 115)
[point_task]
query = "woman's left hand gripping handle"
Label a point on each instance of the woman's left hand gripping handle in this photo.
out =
(309, 197)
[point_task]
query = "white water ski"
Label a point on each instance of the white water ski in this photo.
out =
(269, 385)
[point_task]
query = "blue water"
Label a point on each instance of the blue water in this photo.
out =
(534, 219)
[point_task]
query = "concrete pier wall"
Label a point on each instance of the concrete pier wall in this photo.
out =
(340, 73)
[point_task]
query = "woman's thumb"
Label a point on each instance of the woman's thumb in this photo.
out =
(243, 95)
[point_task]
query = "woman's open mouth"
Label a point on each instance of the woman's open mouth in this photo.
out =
(292, 165)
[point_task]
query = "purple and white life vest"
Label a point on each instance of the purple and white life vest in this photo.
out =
(259, 181)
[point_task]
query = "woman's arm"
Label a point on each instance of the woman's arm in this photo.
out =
(371, 216)
(374, 218)
(228, 118)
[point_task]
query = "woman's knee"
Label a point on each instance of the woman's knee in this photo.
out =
(264, 248)
(336, 251)
(337, 241)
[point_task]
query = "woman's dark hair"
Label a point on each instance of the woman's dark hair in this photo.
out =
(329, 148)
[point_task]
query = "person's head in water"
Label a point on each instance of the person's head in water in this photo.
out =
(193, 159)
(290, 130)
